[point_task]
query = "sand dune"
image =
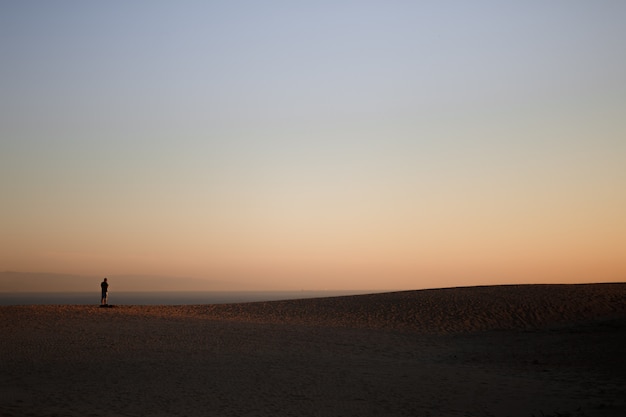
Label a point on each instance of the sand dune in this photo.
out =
(450, 310)
(476, 351)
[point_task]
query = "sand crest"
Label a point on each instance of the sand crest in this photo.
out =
(476, 351)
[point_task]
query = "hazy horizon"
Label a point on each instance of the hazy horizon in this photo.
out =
(318, 145)
(37, 282)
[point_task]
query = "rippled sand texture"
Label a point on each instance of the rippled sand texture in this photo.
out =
(478, 351)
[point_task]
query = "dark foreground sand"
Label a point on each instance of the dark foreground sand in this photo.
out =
(535, 350)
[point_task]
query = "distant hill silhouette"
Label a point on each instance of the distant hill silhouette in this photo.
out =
(11, 281)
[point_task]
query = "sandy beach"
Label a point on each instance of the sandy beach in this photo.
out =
(529, 350)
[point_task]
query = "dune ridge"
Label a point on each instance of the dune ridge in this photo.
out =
(438, 311)
(433, 311)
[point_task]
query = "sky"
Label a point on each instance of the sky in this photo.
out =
(315, 145)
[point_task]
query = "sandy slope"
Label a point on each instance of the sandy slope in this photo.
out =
(477, 351)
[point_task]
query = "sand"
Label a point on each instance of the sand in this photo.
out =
(532, 350)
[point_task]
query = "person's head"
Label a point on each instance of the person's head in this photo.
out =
(105, 280)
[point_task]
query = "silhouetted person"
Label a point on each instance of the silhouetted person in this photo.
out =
(105, 292)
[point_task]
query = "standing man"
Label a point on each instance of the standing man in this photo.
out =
(105, 292)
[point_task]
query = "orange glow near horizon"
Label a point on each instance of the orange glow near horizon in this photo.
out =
(322, 252)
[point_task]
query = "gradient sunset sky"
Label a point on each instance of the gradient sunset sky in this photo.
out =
(315, 144)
